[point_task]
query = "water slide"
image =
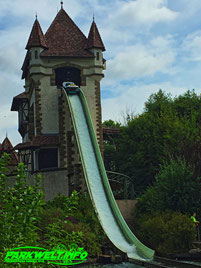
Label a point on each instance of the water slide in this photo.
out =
(100, 192)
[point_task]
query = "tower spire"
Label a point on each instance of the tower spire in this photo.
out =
(94, 38)
(36, 38)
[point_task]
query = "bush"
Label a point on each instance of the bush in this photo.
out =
(175, 188)
(20, 209)
(166, 232)
(56, 234)
(26, 220)
(67, 204)
(72, 217)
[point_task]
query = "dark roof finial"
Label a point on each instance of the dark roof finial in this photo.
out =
(93, 18)
(36, 15)
(62, 4)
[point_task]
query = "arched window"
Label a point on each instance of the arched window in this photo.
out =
(67, 74)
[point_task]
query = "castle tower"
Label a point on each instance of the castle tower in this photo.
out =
(64, 53)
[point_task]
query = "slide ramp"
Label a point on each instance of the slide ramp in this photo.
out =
(97, 182)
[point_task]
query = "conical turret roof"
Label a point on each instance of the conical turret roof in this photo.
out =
(36, 38)
(64, 38)
(6, 145)
(94, 38)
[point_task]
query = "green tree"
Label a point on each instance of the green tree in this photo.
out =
(175, 188)
(109, 144)
(111, 123)
(167, 127)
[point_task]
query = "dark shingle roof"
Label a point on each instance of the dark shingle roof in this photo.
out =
(25, 66)
(7, 147)
(64, 38)
(17, 100)
(94, 38)
(43, 140)
(36, 38)
(110, 131)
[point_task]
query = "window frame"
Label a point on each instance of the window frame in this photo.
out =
(36, 159)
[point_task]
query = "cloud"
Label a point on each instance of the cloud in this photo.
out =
(45, 9)
(142, 60)
(8, 123)
(128, 22)
(147, 12)
(133, 99)
(135, 33)
(192, 46)
(11, 58)
(186, 7)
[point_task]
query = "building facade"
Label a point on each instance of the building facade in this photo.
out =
(49, 145)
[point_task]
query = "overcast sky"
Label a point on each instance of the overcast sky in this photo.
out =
(150, 44)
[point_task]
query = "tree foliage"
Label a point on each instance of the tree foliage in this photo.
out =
(175, 188)
(166, 232)
(27, 220)
(111, 123)
(21, 206)
(168, 127)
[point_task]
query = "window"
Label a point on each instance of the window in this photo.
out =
(97, 55)
(36, 54)
(46, 158)
(23, 117)
(25, 157)
(67, 74)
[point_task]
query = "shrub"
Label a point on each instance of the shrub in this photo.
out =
(166, 232)
(72, 217)
(90, 240)
(21, 206)
(26, 220)
(56, 234)
(67, 204)
(175, 188)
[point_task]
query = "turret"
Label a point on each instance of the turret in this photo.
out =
(35, 45)
(95, 44)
